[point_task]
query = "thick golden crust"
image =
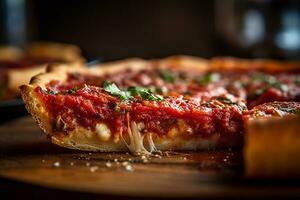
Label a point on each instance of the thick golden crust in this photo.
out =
(182, 62)
(229, 63)
(83, 139)
(272, 148)
(36, 108)
(65, 53)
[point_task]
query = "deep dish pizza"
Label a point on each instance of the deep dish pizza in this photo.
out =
(177, 103)
(17, 66)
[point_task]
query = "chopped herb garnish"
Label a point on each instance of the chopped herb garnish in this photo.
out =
(290, 110)
(73, 90)
(129, 94)
(257, 92)
(52, 92)
(144, 93)
(166, 76)
(297, 81)
(270, 81)
(280, 86)
(161, 90)
(115, 91)
(209, 78)
(265, 78)
(226, 101)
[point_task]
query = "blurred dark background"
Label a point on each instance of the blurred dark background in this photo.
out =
(119, 29)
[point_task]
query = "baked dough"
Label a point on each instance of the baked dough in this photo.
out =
(272, 147)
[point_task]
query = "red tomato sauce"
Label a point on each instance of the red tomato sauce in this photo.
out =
(205, 108)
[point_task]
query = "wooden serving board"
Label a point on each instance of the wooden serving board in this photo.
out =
(27, 156)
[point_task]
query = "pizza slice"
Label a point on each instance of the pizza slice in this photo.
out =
(18, 66)
(177, 103)
(135, 104)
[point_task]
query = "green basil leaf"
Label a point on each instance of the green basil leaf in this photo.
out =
(226, 101)
(209, 78)
(73, 90)
(166, 76)
(144, 93)
(297, 81)
(290, 110)
(115, 91)
(270, 81)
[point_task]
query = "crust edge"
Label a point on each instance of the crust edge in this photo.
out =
(272, 148)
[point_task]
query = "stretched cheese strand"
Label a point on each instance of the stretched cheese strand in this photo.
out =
(136, 139)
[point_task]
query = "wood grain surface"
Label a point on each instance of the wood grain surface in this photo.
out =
(27, 156)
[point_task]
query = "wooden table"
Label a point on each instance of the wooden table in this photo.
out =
(31, 165)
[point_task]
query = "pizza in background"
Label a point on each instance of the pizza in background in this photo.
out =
(17, 66)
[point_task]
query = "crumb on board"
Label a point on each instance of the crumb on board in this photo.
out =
(144, 159)
(94, 168)
(108, 164)
(125, 163)
(129, 168)
(56, 164)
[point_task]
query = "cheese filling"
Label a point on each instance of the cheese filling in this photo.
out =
(136, 143)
